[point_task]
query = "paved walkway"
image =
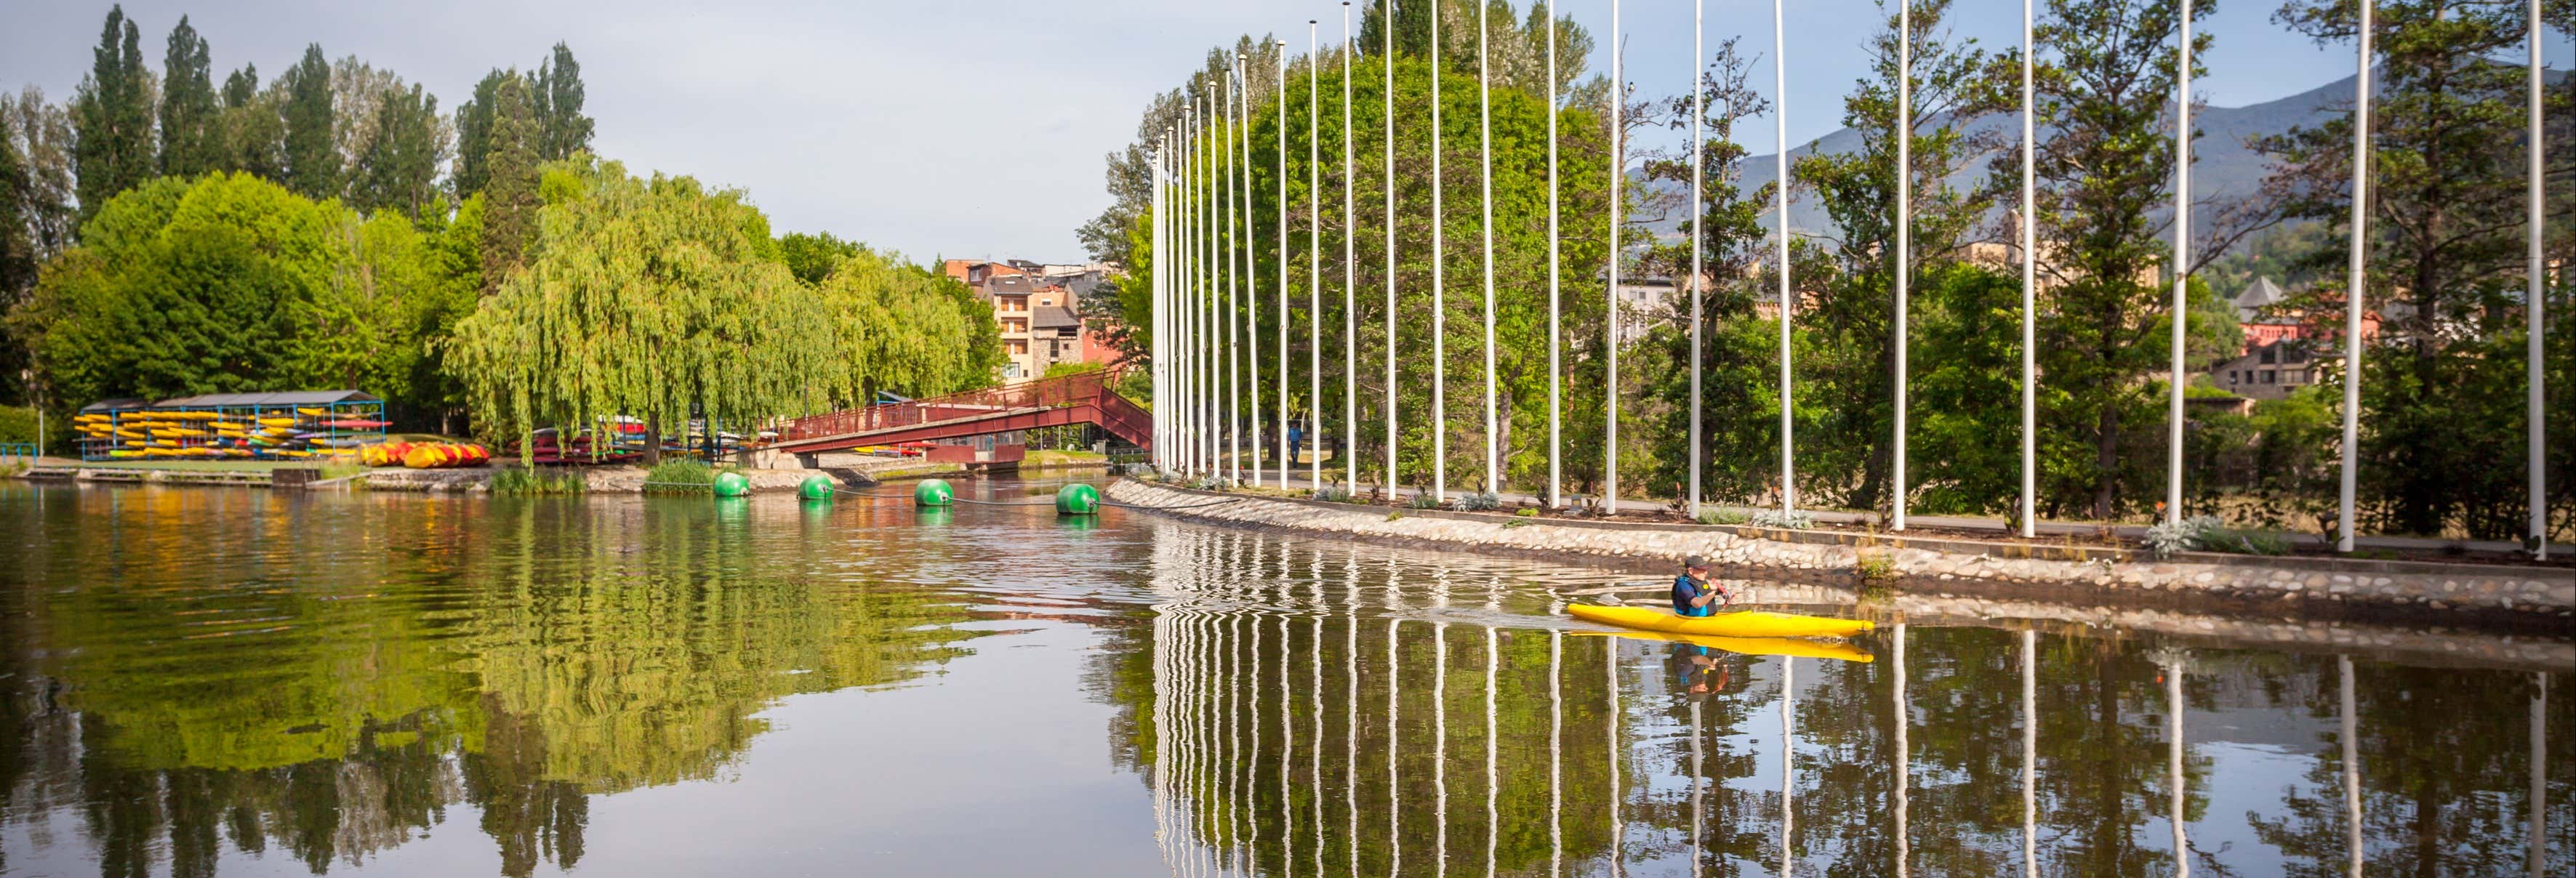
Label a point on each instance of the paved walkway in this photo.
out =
(1298, 480)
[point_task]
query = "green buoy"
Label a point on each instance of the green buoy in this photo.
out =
(815, 487)
(932, 492)
(732, 485)
(1077, 499)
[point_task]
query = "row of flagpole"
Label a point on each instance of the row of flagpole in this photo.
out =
(1191, 282)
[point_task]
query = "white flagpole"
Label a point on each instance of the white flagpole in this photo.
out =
(1234, 210)
(1187, 317)
(1780, 195)
(1203, 263)
(2181, 267)
(1904, 230)
(1280, 139)
(1314, 272)
(1350, 277)
(1485, 125)
(1618, 170)
(2535, 412)
(1386, 30)
(2029, 284)
(2356, 286)
(1160, 310)
(1698, 198)
(1555, 472)
(1439, 288)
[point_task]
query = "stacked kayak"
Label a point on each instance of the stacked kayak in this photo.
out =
(1751, 623)
(424, 455)
(274, 433)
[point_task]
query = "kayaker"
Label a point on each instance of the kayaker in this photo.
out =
(1693, 593)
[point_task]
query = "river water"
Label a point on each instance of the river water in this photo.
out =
(203, 681)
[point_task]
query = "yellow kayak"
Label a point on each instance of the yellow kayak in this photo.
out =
(1782, 646)
(1752, 623)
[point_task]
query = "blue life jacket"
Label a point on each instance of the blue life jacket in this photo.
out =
(1686, 590)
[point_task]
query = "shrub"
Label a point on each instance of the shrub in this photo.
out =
(2184, 535)
(1714, 515)
(1333, 494)
(1391, 516)
(680, 476)
(1875, 567)
(1480, 501)
(18, 424)
(1424, 500)
(1793, 520)
(521, 481)
(1526, 513)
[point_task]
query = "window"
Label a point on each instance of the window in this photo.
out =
(1020, 346)
(2271, 376)
(2231, 376)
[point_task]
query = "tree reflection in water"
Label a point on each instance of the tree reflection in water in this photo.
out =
(2036, 748)
(175, 694)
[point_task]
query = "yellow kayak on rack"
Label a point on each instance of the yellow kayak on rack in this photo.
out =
(1751, 623)
(1781, 646)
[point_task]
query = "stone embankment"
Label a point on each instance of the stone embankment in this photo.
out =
(2492, 594)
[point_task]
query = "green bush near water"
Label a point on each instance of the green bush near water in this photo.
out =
(524, 482)
(18, 424)
(682, 476)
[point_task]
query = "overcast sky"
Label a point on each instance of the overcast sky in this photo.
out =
(967, 127)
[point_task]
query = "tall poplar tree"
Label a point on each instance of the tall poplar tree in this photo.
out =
(254, 133)
(113, 114)
(399, 168)
(474, 133)
(562, 129)
(191, 121)
(312, 149)
(510, 190)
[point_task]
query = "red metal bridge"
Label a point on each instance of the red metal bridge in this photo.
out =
(1048, 402)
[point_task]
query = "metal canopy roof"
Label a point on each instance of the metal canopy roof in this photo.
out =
(115, 405)
(293, 397)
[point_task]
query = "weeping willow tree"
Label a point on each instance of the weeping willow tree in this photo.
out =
(648, 298)
(900, 328)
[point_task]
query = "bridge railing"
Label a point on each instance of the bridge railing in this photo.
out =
(1065, 390)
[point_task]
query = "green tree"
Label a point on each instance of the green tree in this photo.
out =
(399, 169)
(179, 288)
(253, 128)
(510, 191)
(112, 112)
(1847, 300)
(311, 145)
(1738, 442)
(904, 329)
(561, 128)
(813, 257)
(474, 133)
(651, 298)
(191, 121)
(2105, 183)
(45, 142)
(2446, 248)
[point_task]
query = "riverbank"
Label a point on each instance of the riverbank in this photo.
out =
(2470, 594)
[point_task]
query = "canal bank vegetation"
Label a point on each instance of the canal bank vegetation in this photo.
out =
(2442, 416)
(161, 237)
